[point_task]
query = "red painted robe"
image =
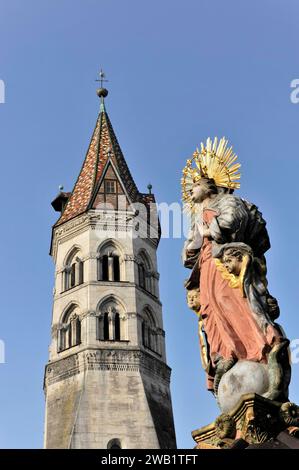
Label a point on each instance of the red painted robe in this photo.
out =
(231, 326)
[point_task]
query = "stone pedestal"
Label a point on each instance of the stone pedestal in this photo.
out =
(254, 420)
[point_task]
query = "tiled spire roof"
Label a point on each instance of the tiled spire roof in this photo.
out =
(103, 145)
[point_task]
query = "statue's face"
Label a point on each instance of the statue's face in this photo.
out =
(232, 264)
(193, 300)
(198, 192)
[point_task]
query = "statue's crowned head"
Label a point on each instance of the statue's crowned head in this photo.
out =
(214, 166)
(201, 189)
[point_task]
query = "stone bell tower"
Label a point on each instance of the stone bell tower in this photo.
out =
(107, 384)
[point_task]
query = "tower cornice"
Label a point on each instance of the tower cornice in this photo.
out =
(114, 221)
(130, 358)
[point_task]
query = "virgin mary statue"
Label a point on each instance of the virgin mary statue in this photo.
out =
(225, 250)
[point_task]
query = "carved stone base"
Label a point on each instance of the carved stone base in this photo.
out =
(254, 420)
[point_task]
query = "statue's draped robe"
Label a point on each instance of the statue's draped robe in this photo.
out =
(236, 326)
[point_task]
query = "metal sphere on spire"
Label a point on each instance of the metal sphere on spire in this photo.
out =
(102, 92)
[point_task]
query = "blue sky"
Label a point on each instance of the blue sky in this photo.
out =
(178, 72)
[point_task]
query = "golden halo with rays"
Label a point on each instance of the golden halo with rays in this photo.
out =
(214, 161)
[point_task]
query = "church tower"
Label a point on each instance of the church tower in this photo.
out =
(107, 383)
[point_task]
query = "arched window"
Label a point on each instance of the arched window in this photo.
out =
(114, 444)
(109, 264)
(69, 331)
(73, 271)
(104, 275)
(117, 326)
(141, 275)
(73, 275)
(81, 272)
(149, 331)
(111, 322)
(146, 279)
(145, 327)
(106, 326)
(116, 272)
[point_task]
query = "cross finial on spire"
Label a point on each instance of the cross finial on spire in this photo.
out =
(102, 78)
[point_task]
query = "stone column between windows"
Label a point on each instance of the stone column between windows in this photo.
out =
(89, 328)
(122, 269)
(99, 268)
(110, 268)
(66, 278)
(73, 327)
(77, 273)
(156, 281)
(60, 281)
(60, 340)
(111, 315)
(92, 270)
(129, 273)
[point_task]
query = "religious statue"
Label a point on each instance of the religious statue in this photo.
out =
(238, 334)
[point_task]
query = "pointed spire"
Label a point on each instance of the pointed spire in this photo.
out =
(103, 146)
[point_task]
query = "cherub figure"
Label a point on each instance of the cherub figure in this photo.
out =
(232, 260)
(193, 301)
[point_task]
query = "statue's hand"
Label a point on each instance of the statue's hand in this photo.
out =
(190, 252)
